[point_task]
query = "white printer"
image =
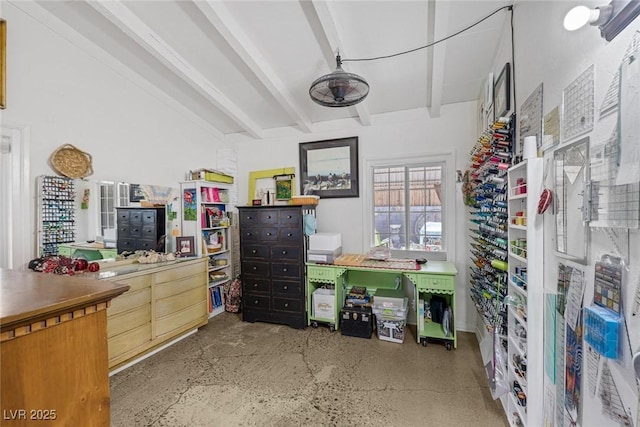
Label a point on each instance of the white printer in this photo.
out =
(324, 247)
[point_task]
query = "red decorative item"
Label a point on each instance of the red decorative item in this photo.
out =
(545, 201)
(80, 264)
(93, 267)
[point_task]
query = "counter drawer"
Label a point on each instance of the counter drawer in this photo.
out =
(179, 302)
(435, 282)
(129, 341)
(192, 315)
(181, 272)
(136, 283)
(177, 287)
(128, 320)
(129, 300)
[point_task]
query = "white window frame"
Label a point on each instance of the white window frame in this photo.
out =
(448, 203)
(121, 198)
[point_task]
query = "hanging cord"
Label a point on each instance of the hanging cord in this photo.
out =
(509, 7)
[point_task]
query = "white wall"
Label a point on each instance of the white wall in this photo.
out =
(65, 96)
(403, 134)
(546, 53)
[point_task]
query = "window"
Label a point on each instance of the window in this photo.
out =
(408, 201)
(111, 195)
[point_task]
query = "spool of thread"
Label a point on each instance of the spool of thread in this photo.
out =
(500, 265)
(529, 147)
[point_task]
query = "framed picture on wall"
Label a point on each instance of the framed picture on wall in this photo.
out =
(501, 92)
(329, 169)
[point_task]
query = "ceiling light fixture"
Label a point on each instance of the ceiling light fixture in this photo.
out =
(343, 89)
(339, 89)
(580, 16)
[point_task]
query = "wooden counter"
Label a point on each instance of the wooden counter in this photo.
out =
(53, 348)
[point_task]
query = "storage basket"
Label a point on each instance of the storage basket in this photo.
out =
(71, 162)
(304, 200)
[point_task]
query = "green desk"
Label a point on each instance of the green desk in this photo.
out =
(88, 251)
(433, 278)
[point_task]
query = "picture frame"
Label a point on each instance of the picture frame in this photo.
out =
(329, 168)
(501, 92)
(185, 246)
(3, 64)
(136, 193)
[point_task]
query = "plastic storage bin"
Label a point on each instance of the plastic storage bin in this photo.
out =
(391, 318)
(323, 303)
(602, 330)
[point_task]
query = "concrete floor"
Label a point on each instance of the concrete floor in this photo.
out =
(233, 373)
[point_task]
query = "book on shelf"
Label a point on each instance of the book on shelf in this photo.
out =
(211, 175)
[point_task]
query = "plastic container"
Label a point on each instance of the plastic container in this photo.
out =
(602, 330)
(391, 318)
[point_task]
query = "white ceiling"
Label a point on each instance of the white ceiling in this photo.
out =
(246, 66)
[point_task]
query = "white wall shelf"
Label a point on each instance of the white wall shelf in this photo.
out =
(525, 360)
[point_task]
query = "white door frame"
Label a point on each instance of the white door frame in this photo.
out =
(19, 198)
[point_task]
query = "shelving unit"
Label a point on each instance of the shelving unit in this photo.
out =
(491, 157)
(525, 295)
(205, 215)
(56, 213)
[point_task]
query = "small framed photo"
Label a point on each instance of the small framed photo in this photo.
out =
(502, 92)
(185, 246)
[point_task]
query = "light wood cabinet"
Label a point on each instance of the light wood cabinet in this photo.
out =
(164, 302)
(53, 334)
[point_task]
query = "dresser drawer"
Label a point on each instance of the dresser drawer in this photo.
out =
(284, 287)
(128, 244)
(291, 235)
(285, 304)
(148, 231)
(135, 216)
(135, 230)
(249, 234)
(252, 284)
(435, 282)
(146, 244)
(285, 253)
(286, 270)
(248, 218)
(123, 216)
(123, 230)
(267, 234)
(290, 217)
(255, 251)
(268, 216)
(255, 268)
(149, 217)
(256, 301)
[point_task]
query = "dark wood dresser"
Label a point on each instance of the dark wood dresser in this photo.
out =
(141, 229)
(272, 251)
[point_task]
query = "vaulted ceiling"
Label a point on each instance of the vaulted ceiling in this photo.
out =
(246, 66)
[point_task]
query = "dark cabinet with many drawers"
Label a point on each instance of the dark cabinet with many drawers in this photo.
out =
(272, 248)
(141, 229)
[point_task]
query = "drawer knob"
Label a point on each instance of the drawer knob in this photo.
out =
(285, 269)
(268, 233)
(268, 216)
(289, 216)
(248, 234)
(285, 287)
(255, 268)
(289, 234)
(286, 305)
(255, 302)
(284, 252)
(435, 282)
(255, 285)
(253, 251)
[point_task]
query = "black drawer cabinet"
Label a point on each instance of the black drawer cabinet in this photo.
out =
(141, 229)
(272, 248)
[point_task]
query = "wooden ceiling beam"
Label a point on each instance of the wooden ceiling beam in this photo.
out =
(134, 27)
